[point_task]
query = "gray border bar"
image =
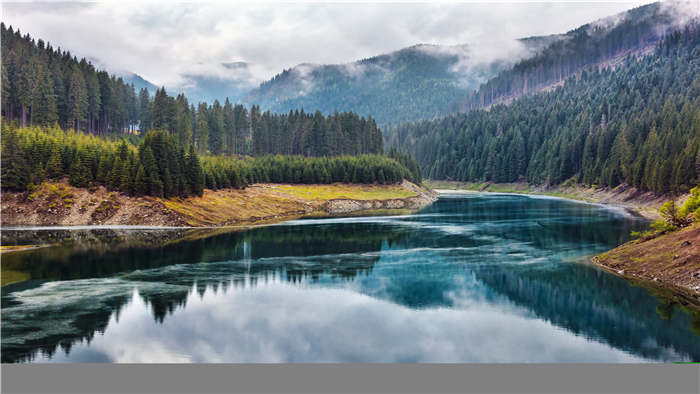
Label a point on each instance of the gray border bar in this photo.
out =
(355, 378)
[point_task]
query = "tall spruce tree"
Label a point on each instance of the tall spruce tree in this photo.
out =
(77, 101)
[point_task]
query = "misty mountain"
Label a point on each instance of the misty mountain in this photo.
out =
(138, 82)
(233, 83)
(430, 81)
(633, 125)
(128, 77)
(422, 81)
(602, 43)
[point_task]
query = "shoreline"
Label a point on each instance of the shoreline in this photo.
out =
(633, 201)
(608, 205)
(657, 264)
(59, 206)
(670, 261)
(353, 208)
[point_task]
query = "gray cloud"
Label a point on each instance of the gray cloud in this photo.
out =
(165, 42)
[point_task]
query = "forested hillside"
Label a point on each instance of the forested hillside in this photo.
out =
(638, 124)
(423, 81)
(429, 81)
(42, 86)
(62, 117)
(597, 43)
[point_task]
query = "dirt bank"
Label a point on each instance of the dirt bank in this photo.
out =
(60, 204)
(422, 198)
(641, 203)
(671, 260)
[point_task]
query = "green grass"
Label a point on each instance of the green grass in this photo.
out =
(348, 191)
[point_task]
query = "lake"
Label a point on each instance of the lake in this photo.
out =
(472, 278)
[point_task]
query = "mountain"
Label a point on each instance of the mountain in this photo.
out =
(138, 82)
(430, 81)
(635, 124)
(128, 77)
(605, 43)
(422, 81)
(234, 83)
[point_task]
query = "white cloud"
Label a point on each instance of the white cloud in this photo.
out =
(163, 42)
(309, 324)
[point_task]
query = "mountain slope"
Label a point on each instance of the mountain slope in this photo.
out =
(138, 82)
(604, 42)
(422, 81)
(429, 81)
(234, 83)
(638, 125)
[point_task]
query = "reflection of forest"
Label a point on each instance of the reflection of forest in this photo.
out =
(215, 262)
(541, 221)
(135, 251)
(600, 306)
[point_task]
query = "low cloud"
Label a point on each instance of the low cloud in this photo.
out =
(165, 44)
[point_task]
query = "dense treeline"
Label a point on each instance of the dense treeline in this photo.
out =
(638, 125)
(220, 172)
(587, 45)
(44, 86)
(47, 94)
(159, 166)
(234, 130)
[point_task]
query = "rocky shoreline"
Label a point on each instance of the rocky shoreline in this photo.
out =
(671, 261)
(423, 198)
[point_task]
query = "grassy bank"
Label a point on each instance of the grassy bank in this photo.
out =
(58, 203)
(264, 202)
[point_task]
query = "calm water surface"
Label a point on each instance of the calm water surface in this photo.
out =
(473, 278)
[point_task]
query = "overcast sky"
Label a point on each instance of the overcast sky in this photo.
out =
(162, 41)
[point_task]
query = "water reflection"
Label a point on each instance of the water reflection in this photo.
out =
(477, 279)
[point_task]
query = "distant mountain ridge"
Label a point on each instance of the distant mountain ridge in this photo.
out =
(431, 81)
(428, 81)
(632, 32)
(418, 82)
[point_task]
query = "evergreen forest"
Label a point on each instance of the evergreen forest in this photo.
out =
(636, 124)
(63, 117)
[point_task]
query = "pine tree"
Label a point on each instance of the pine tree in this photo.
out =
(195, 176)
(44, 104)
(94, 100)
(229, 128)
(15, 169)
(54, 167)
(202, 129)
(141, 185)
(79, 176)
(144, 110)
(216, 126)
(77, 99)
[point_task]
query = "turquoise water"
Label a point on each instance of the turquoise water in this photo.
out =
(472, 278)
